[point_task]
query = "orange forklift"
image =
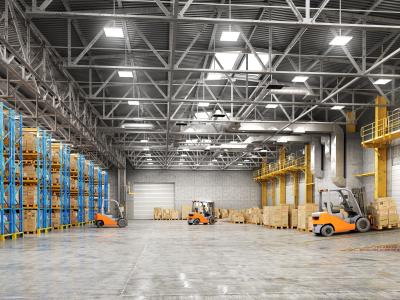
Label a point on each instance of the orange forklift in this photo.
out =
(105, 220)
(202, 213)
(339, 212)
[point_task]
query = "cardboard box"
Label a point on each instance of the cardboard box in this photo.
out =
(237, 217)
(224, 213)
(74, 201)
(73, 160)
(304, 212)
(55, 218)
(74, 217)
(55, 178)
(30, 219)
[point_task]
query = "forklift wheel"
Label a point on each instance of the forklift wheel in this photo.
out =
(196, 222)
(99, 224)
(211, 221)
(327, 230)
(122, 223)
(363, 225)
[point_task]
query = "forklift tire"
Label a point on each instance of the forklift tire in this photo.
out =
(327, 230)
(363, 225)
(99, 224)
(211, 221)
(196, 222)
(122, 223)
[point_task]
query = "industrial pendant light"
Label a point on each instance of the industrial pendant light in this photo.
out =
(340, 40)
(229, 36)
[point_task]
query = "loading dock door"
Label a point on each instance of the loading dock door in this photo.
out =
(150, 195)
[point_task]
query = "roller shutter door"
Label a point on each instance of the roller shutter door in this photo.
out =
(395, 184)
(150, 195)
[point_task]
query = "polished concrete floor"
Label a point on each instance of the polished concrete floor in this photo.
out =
(171, 260)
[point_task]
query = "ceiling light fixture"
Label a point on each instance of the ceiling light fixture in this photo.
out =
(146, 148)
(340, 40)
(133, 103)
(184, 155)
(150, 163)
(113, 32)
(185, 149)
(149, 159)
(144, 141)
(300, 79)
(240, 164)
(271, 105)
(382, 81)
(337, 107)
(125, 74)
(137, 125)
(229, 36)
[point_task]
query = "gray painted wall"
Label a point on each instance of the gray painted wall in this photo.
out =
(229, 189)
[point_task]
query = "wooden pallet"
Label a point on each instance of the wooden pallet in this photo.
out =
(293, 227)
(390, 226)
(237, 222)
(304, 229)
(33, 206)
(280, 227)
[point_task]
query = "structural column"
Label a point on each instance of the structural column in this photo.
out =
(273, 191)
(264, 196)
(121, 186)
(296, 188)
(308, 175)
(381, 151)
(282, 178)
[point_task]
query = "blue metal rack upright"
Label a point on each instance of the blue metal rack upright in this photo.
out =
(91, 191)
(99, 190)
(43, 173)
(11, 204)
(105, 197)
(81, 189)
(65, 199)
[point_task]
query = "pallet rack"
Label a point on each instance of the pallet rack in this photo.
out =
(99, 190)
(81, 189)
(65, 219)
(11, 196)
(91, 191)
(105, 189)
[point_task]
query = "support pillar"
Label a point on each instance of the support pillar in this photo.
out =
(121, 188)
(350, 122)
(264, 194)
(282, 178)
(273, 191)
(296, 182)
(380, 189)
(308, 175)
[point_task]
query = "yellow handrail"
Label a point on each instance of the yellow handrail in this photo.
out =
(381, 128)
(276, 167)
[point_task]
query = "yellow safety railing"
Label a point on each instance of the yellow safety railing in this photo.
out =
(277, 168)
(383, 129)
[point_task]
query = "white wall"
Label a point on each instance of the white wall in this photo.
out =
(229, 189)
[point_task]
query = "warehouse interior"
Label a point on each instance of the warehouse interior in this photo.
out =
(199, 149)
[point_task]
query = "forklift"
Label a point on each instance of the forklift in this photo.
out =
(108, 220)
(339, 212)
(202, 213)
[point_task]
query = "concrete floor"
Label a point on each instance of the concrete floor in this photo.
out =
(171, 260)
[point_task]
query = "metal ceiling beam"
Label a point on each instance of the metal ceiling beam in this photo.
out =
(202, 20)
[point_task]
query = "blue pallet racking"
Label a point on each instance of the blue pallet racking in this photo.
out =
(91, 191)
(105, 189)
(99, 190)
(65, 199)
(11, 196)
(44, 178)
(81, 188)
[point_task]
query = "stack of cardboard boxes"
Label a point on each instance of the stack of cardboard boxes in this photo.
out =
(74, 201)
(55, 200)
(304, 213)
(157, 213)
(30, 195)
(74, 217)
(383, 213)
(29, 171)
(30, 217)
(55, 217)
(174, 214)
(223, 213)
(29, 141)
(166, 214)
(236, 217)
